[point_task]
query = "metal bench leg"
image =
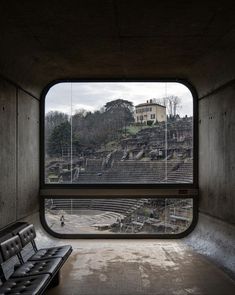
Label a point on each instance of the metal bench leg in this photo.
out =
(55, 281)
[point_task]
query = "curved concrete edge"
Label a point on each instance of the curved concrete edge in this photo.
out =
(216, 240)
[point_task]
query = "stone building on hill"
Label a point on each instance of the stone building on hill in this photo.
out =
(150, 111)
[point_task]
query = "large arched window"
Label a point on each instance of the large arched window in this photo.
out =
(119, 158)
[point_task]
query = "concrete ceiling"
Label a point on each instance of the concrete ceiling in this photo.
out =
(46, 40)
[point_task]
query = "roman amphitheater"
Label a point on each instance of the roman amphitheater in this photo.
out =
(86, 216)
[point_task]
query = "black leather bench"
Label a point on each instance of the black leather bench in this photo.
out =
(28, 234)
(36, 274)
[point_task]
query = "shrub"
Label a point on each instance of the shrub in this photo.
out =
(150, 122)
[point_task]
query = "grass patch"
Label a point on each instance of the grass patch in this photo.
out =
(132, 130)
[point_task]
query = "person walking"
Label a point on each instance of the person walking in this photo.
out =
(62, 220)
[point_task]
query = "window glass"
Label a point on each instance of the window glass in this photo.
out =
(93, 133)
(119, 216)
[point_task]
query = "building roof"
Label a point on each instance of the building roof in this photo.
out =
(149, 104)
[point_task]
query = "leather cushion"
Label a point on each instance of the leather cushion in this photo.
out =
(28, 285)
(55, 252)
(27, 234)
(10, 247)
(5, 237)
(29, 268)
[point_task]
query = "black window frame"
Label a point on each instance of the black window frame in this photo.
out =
(184, 190)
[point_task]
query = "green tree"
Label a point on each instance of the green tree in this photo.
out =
(53, 119)
(119, 114)
(118, 104)
(121, 107)
(60, 137)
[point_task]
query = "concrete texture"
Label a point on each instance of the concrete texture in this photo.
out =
(28, 155)
(214, 239)
(215, 68)
(214, 235)
(7, 153)
(140, 267)
(126, 39)
(216, 154)
(143, 267)
(46, 40)
(19, 153)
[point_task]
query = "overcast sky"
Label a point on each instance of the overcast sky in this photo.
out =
(92, 96)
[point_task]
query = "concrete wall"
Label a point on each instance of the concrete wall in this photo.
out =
(216, 154)
(19, 153)
(215, 232)
(215, 239)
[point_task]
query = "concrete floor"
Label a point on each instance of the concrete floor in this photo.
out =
(136, 267)
(139, 267)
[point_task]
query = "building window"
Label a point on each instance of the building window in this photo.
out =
(93, 138)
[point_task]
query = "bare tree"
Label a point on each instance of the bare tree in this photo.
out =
(162, 101)
(176, 101)
(172, 103)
